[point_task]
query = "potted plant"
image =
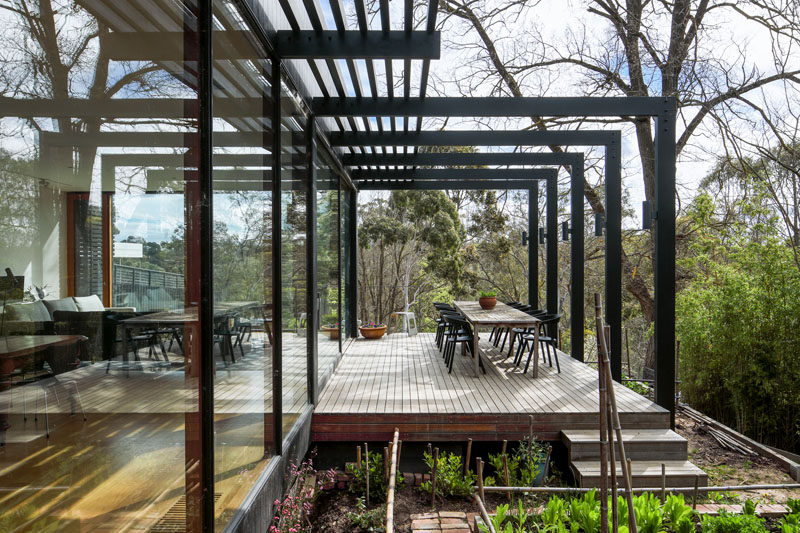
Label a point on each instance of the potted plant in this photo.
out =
(372, 330)
(331, 330)
(487, 299)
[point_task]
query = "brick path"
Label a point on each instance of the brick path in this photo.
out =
(440, 522)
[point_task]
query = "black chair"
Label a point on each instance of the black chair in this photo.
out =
(459, 331)
(442, 326)
(506, 331)
(224, 335)
(548, 337)
(516, 332)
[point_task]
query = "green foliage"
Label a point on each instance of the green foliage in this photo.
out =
(749, 507)
(450, 478)
(737, 322)
(793, 505)
(373, 520)
(731, 523)
(525, 464)
(649, 514)
(677, 514)
(377, 482)
(499, 521)
(487, 294)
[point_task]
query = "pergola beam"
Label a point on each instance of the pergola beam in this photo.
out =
(474, 138)
(460, 159)
(444, 174)
(489, 107)
(438, 185)
(289, 44)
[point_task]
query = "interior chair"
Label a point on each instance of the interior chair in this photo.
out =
(224, 335)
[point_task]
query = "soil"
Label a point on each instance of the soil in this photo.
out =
(727, 467)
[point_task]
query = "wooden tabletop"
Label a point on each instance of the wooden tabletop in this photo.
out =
(500, 315)
(21, 345)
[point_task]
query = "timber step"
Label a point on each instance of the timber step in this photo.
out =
(640, 445)
(644, 473)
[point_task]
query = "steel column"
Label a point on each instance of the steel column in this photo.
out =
(312, 295)
(577, 320)
(205, 210)
(552, 246)
(613, 259)
(533, 245)
(664, 260)
(277, 271)
(352, 233)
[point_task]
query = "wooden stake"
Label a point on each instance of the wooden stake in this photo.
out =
(628, 353)
(358, 457)
(479, 467)
(530, 428)
(694, 495)
(613, 468)
(366, 470)
(663, 482)
(433, 475)
(466, 459)
(505, 474)
(386, 463)
(484, 514)
(399, 450)
(505, 445)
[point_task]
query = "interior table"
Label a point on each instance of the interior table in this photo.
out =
(500, 316)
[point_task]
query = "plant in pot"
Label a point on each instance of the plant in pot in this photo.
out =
(372, 330)
(487, 299)
(330, 326)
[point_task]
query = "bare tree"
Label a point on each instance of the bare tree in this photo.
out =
(687, 49)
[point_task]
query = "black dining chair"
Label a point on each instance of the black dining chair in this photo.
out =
(459, 332)
(516, 332)
(548, 338)
(442, 326)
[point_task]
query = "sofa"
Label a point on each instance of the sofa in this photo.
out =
(79, 315)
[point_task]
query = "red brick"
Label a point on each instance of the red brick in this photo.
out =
(423, 516)
(425, 524)
(452, 514)
(417, 479)
(426, 477)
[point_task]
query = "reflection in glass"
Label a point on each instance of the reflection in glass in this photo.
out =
(294, 260)
(327, 265)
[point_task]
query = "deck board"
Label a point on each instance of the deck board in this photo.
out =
(401, 381)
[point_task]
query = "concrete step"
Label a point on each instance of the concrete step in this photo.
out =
(640, 445)
(645, 473)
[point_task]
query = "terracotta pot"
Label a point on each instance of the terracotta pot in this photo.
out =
(372, 333)
(332, 333)
(487, 303)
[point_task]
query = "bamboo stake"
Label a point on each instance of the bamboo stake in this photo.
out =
(433, 475)
(612, 454)
(639, 490)
(358, 457)
(694, 494)
(505, 445)
(466, 459)
(366, 470)
(530, 428)
(603, 436)
(505, 475)
(663, 483)
(615, 415)
(386, 464)
(479, 468)
(392, 482)
(484, 514)
(628, 353)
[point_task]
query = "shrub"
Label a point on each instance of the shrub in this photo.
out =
(373, 520)
(524, 464)
(377, 482)
(732, 523)
(450, 478)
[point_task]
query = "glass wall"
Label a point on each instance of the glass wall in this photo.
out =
(98, 196)
(295, 317)
(243, 302)
(328, 283)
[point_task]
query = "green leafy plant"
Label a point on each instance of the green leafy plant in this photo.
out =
(450, 478)
(487, 294)
(585, 513)
(649, 514)
(499, 522)
(554, 513)
(678, 514)
(794, 506)
(790, 523)
(525, 464)
(749, 507)
(377, 482)
(373, 520)
(732, 523)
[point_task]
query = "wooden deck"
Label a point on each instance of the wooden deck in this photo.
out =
(401, 381)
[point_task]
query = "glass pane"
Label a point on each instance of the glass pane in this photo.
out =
(327, 265)
(243, 303)
(294, 322)
(99, 416)
(345, 197)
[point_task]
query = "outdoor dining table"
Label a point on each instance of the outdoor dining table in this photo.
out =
(500, 316)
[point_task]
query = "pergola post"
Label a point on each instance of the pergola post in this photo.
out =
(312, 298)
(533, 245)
(664, 263)
(576, 263)
(613, 259)
(552, 246)
(352, 229)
